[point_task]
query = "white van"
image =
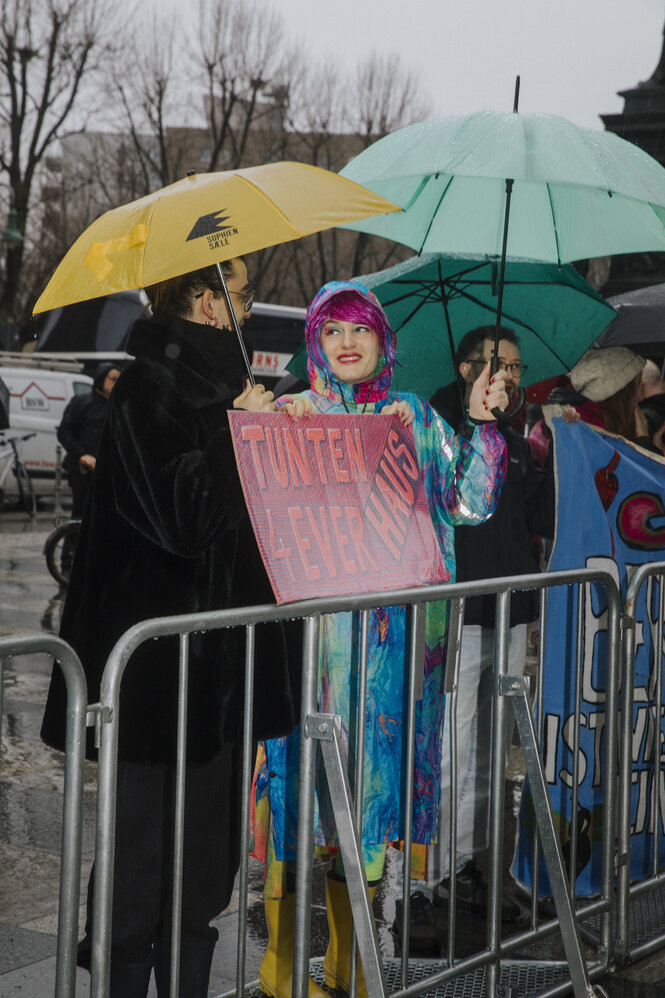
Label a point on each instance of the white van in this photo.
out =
(39, 390)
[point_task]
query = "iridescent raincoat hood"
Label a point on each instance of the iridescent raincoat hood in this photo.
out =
(321, 378)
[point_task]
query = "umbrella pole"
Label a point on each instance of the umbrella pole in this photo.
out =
(504, 245)
(519, 398)
(227, 299)
(461, 386)
(520, 394)
(502, 276)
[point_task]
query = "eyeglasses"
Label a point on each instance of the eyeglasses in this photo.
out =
(517, 369)
(247, 297)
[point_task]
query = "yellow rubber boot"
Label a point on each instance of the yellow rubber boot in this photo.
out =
(276, 970)
(337, 961)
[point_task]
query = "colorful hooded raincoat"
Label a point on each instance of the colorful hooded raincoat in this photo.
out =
(462, 478)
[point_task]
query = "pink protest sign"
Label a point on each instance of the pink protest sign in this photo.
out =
(337, 503)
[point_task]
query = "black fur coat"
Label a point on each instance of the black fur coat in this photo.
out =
(166, 531)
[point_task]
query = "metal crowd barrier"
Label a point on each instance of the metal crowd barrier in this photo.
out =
(640, 928)
(26, 643)
(490, 970)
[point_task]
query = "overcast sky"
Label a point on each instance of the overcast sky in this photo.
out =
(572, 55)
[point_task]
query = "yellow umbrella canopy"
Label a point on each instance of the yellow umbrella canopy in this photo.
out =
(201, 220)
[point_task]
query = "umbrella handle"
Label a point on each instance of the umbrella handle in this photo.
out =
(517, 403)
(236, 327)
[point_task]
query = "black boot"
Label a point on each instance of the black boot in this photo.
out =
(195, 964)
(130, 980)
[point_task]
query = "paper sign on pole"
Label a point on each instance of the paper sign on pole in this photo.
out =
(336, 502)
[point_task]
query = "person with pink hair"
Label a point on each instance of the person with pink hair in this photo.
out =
(351, 356)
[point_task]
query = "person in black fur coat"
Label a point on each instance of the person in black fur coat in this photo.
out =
(166, 531)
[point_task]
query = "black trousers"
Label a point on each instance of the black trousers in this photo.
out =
(142, 880)
(79, 482)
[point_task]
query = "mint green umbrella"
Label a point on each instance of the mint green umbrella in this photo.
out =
(577, 192)
(433, 300)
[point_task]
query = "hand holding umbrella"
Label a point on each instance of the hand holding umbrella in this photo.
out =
(488, 397)
(255, 398)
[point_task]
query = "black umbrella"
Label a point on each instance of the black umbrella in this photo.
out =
(640, 324)
(99, 324)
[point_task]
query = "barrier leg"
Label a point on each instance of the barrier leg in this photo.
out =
(100, 965)
(516, 689)
(72, 809)
(248, 760)
(2, 706)
(306, 776)
(179, 817)
(326, 729)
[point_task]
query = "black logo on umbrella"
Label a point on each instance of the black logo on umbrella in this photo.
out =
(210, 225)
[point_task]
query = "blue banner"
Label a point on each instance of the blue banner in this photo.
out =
(610, 515)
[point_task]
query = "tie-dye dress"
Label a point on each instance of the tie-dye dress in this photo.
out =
(462, 477)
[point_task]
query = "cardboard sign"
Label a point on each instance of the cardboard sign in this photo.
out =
(336, 502)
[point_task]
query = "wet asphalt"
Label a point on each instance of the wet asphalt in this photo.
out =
(31, 778)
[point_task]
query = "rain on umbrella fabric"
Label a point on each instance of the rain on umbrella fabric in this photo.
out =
(201, 220)
(578, 193)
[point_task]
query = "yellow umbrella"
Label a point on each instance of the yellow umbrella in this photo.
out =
(202, 220)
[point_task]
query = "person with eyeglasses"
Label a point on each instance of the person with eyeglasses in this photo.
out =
(502, 546)
(166, 531)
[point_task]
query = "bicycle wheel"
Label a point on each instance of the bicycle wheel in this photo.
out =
(26, 489)
(59, 550)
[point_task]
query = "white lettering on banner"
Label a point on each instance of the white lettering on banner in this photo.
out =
(647, 736)
(597, 725)
(552, 722)
(652, 619)
(567, 736)
(595, 624)
(645, 814)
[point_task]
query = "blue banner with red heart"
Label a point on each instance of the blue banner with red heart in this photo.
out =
(610, 515)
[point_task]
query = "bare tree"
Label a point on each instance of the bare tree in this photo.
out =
(47, 50)
(331, 120)
(212, 98)
(149, 87)
(242, 50)
(244, 57)
(384, 97)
